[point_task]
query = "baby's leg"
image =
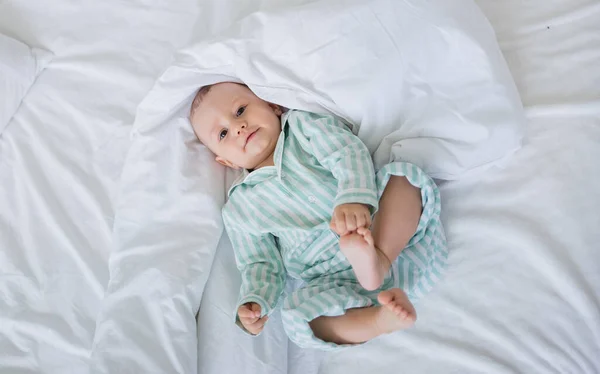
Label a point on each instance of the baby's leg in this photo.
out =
(359, 325)
(371, 253)
(398, 217)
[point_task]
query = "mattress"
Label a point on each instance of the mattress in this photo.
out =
(522, 291)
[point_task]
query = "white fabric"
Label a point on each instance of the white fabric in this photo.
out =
(389, 67)
(523, 290)
(168, 222)
(522, 294)
(166, 230)
(19, 67)
(60, 163)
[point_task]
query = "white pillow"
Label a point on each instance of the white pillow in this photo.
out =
(19, 67)
(424, 82)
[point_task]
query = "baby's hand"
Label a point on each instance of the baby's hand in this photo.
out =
(349, 217)
(249, 315)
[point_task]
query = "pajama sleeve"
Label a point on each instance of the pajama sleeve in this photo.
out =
(258, 260)
(337, 149)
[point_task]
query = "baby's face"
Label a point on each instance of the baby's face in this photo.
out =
(237, 126)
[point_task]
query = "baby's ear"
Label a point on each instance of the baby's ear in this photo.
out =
(226, 163)
(276, 109)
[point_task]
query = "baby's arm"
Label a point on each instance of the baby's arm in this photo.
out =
(263, 274)
(261, 266)
(340, 151)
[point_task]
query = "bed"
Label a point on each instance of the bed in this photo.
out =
(522, 290)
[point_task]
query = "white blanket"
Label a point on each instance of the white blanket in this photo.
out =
(19, 67)
(61, 158)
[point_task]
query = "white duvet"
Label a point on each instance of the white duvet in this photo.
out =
(61, 157)
(19, 67)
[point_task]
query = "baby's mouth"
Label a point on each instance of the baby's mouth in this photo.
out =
(250, 137)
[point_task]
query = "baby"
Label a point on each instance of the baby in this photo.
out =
(303, 208)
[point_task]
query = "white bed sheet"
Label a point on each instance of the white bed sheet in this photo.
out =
(60, 161)
(522, 291)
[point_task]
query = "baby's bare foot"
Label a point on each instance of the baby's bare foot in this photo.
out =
(368, 263)
(396, 312)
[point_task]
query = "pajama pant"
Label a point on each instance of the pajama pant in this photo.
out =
(330, 284)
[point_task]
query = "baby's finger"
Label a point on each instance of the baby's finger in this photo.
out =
(244, 311)
(256, 309)
(350, 222)
(248, 321)
(261, 321)
(341, 227)
(258, 325)
(339, 223)
(361, 220)
(255, 331)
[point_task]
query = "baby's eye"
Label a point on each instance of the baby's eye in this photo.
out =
(240, 111)
(222, 134)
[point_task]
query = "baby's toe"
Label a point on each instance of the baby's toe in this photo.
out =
(385, 297)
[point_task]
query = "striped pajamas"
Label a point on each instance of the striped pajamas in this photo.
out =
(278, 220)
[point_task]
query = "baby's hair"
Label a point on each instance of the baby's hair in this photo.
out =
(196, 103)
(198, 99)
